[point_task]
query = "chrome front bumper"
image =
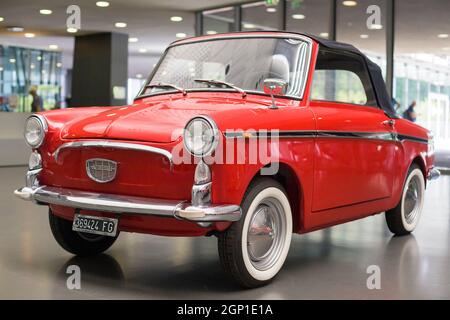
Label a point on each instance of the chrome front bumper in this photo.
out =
(129, 204)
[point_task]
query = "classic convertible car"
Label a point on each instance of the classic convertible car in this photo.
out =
(181, 160)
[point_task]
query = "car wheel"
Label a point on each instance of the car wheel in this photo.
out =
(404, 218)
(78, 243)
(254, 248)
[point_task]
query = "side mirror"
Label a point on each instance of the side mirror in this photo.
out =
(274, 87)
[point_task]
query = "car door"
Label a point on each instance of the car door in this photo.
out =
(355, 145)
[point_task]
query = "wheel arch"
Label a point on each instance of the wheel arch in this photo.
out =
(418, 160)
(290, 181)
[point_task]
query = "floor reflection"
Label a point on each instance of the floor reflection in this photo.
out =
(329, 264)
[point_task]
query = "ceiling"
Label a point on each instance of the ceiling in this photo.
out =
(147, 20)
(418, 24)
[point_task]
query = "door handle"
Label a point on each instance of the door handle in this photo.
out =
(389, 122)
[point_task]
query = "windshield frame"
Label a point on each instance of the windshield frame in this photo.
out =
(307, 40)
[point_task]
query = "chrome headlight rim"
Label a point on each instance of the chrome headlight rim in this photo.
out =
(44, 128)
(215, 135)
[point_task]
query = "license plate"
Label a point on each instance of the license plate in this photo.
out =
(96, 225)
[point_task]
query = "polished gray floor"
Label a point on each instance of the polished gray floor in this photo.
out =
(329, 264)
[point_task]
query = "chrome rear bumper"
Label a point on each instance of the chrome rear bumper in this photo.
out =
(129, 204)
(433, 174)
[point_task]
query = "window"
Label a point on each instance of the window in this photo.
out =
(342, 77)
(244, 62)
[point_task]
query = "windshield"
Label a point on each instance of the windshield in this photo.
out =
(244, 62)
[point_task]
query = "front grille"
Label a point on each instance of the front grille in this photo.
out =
(101, 170)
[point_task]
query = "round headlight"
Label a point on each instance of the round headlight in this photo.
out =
(35, 129)
(200, 136)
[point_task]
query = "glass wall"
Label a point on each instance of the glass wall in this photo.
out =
(363, 24)
(261, 15)
(218, 21)
(422, 64)
(309, 16)
(23, 68)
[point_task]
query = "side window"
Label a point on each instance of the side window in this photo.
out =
(342, 77)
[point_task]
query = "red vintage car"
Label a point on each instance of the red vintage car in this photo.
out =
(249, 137)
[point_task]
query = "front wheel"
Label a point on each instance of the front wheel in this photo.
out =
(254, 249)
(78, 243)
(404, 218)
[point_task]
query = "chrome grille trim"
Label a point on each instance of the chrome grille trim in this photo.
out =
(113, 145)
(101, 170)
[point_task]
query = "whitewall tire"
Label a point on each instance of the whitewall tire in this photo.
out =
(403, 219)
(253, 250)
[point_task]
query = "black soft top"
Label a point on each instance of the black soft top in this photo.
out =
(381, 94)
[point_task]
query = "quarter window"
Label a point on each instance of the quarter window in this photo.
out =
(342, 77)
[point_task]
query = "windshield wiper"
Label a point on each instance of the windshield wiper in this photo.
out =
(222, 83)
(166, 85)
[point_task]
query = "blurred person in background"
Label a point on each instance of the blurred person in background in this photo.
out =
(410, 113)
(36, 104)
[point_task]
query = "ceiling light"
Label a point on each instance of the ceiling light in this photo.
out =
(39, 58)
(1, 68)
(139, 76)
(102, 4)
(211, 32)
(443, 35)
(2, 19)
(349, 3)
(176, 19)
(32, 66)
(120, 25)
(133, 40)
(298, 16)
(180, 35)
(59, 65)
(72, 30)
(15, 29)
(271, 9)
(142, 50)
(45, 11)
(53, 46)
(363, 36)
(29, 35)
(249, 26)
(376, 27)
(324, 34)
(12, 60)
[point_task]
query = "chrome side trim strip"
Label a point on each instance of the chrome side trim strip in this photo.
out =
(385, 136)
(113, 145)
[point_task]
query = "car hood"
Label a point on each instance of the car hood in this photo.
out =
(160, 118)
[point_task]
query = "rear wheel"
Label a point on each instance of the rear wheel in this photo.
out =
(78, 243)
(254, 249)
(404, 218)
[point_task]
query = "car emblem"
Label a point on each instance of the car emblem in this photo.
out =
(101, 170)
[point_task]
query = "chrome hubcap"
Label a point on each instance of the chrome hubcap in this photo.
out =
(265, 235)
(413, 199)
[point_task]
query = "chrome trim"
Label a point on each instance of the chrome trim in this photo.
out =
(31, 180)
(214, 128)
(433, 174)
(44, 123)
(38, 157)
(129, 204)
(201, 194)
(114, 145)
(91, 175)
(211, 213)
